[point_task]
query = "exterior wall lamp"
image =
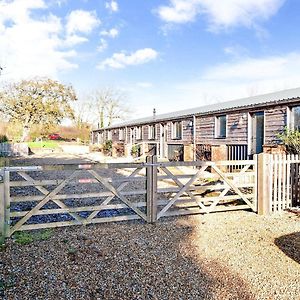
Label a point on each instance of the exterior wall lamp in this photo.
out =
(189, 125)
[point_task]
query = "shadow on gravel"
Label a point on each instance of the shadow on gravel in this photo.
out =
(115, 261)
(290, 245)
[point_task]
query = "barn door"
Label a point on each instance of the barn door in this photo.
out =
(257, 132)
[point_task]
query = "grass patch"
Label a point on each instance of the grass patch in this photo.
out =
(43, 145)
(4, 161)
(25, 238)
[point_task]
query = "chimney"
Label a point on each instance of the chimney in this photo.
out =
(154, 113)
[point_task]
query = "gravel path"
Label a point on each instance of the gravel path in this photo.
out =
(231, 255)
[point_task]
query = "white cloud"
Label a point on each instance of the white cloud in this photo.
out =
(144, 85)
(74, 39)
(112, 33)
(121, 60)
(220, 14)
(32, 46)
(81, 21)
(243, 78)
(34, 42)
(102, 46)
(112, 6)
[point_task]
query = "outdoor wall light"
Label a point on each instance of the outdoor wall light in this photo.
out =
(189, 125)
(242, 118)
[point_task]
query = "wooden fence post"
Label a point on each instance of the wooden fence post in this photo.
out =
(151, 187)
(2, 208)
(264, 181)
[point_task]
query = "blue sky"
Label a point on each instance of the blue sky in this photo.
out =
(168, 54)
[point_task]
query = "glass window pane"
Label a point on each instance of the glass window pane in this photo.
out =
(296, 117)
(221, 127)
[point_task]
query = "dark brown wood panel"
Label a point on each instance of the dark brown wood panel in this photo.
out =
(275, 121)
(237, 128)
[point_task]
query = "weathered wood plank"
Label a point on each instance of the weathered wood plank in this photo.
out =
(46, 192)
(75, 196)
(182, 190)
(119, 189)
(71, 223)
(200, 211)
(117, 193)
(2, 208)
(7, 202)
(41, 204)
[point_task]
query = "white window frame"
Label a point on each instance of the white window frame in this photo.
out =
(291, 118)
(109, 135)
(152, 132)
(121, 134)
(218, 127)
(174, 133)
(138, 132)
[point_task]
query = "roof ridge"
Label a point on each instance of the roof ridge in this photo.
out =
(219, 106)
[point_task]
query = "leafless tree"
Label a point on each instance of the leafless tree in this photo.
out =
(109, 105)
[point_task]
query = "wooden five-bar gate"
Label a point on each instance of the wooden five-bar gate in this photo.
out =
(48, 196)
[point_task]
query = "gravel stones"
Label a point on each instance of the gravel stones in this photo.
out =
(230, 255)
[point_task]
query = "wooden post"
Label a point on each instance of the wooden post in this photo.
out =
(151, 187)
(7, 202)
(264, 181)
(2, 207)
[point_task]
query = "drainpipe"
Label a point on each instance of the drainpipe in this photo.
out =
(194, 138)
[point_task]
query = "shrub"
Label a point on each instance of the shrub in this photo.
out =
(96, 148)
(119, 148)
(136, 150)
(3, 138)
(107, 147)
(291, 140)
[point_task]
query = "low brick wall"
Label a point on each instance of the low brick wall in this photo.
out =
(274, 149)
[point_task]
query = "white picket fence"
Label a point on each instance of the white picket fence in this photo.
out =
(283, 181)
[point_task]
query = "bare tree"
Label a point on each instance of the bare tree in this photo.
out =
(83, 110)
(109, 105)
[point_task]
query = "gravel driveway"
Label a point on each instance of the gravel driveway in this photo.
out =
(231, 255)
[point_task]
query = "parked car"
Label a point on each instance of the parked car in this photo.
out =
(54, 136)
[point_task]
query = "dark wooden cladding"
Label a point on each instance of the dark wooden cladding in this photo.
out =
(236, 132)
(115, 135)
(237, 128)
(205, 130)
(275, 121)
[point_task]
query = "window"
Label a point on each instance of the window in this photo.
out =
(151, 132)
(220, 127)
(295, 118)
(109, 135)
(100, 137)
(121, 134)
(176, 130)
(139, 133)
